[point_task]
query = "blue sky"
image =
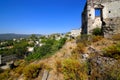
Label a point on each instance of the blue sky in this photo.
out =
(40, 16)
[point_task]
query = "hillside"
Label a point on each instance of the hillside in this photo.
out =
(84, 60)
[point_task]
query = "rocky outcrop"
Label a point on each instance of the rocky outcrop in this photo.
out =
(91, 49)
(99, 67)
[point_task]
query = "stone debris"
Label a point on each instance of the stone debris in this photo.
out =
(45, 75)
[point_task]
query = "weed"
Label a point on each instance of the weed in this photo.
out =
(73, 70)
(32, 70)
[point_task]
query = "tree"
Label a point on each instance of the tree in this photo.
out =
(33, 37)
(20, 48)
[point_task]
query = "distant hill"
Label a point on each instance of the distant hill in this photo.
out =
(9, 36)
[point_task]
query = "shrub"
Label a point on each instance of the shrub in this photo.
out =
(32, 70)
(113, 51)
(73, 70)
(97, 31)
(96, 38)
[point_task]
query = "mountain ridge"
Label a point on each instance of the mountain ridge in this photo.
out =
(10, 36)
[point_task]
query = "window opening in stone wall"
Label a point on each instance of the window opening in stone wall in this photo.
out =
(97, 12)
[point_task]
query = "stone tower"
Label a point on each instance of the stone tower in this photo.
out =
(104, 14)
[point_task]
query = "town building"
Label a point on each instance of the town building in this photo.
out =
(75, 32)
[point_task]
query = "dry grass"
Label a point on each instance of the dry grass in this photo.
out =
(5, 75)
(72, 69)
(116, 37)
(96, 38)
(58, 65)
(113, 51)
(103, 43)
(32, 70)
(80, 49)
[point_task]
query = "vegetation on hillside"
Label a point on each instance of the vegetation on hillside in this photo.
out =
(71, 65)
(72, 69)
(112, 51)
(50, 47)
(32, 70)
(18, 48)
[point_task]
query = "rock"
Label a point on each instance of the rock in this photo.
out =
(53, 75)
(99, 66)
(45, 75)
(93, 50)
(85, 56)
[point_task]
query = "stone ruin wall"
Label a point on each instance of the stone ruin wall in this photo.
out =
(109, 19)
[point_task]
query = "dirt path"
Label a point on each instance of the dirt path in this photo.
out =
(63, 53)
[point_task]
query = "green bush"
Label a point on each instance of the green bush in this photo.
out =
(74, 70)
(97, 31)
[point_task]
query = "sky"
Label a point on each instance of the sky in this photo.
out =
(40, 16)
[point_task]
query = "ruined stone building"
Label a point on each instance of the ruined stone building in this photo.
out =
(104, 14)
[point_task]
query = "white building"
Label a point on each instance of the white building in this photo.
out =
(30, 49)
(75, 32)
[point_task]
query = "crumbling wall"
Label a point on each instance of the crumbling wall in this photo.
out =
(84, 21)
(109, 19)
(111, 27)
